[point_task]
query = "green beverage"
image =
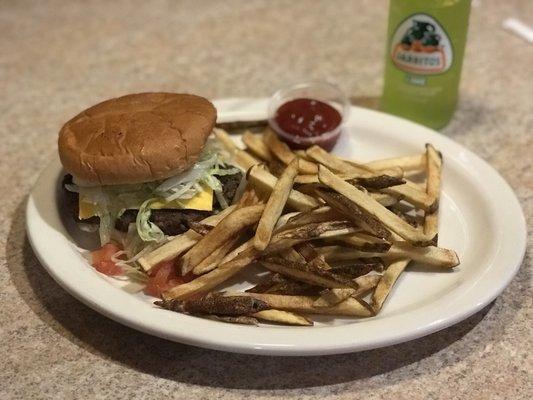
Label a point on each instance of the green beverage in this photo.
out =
(425, 47)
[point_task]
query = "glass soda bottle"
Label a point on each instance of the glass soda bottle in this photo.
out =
(425, 47)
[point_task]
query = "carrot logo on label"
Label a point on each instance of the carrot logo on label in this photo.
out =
(420, 45)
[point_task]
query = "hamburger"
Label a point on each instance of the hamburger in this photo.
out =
(144, 166)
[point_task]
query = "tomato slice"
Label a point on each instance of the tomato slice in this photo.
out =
(164, 276)
(102, 262)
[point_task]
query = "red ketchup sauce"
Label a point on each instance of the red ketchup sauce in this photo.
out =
(305, 122)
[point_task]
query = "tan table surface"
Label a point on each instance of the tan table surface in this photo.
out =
(59, 57)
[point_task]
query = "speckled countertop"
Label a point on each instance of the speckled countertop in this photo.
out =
(59, 57)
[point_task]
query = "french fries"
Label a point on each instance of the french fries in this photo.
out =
(356, 228)
(372, 207)
(275, 205)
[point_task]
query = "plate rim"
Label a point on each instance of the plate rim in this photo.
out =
(300, 349)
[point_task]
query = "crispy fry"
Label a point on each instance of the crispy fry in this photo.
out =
(276, 167)
(307, 273)
(275, 206)
(364, 242)
(320, 214)
(355, 214)
(415, 162)
(280, 284)
(180, 243)
(393, 173)
(256, 145)
(267, 181)
(433, 171)
(378, 182)
(413, 194)
(368, 204)
(366, 283)
(319, 230)
(431, 256)
(331, 297)
(216, 304)
(283, 317)
(358, 267)
(215, 258)
(285, 154)
(224, 138)
(292, 255)
(304, 304)
(224, 231)
(386, 283)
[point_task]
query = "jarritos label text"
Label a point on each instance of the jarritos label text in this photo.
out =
(420, 45)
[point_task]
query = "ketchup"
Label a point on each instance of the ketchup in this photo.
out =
(302, 120)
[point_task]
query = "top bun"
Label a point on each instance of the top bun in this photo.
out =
(136, 138)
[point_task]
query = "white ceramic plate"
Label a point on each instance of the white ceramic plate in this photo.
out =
(480, 218)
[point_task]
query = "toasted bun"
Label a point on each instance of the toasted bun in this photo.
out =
(136, 138)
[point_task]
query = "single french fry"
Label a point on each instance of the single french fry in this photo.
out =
(275, 205)
(321, 214)
(215, 258)
(433, 172)
(371, 206)
(222, 232)
(256, 145)
(414, 162)
(285, 154)
(365, 284)
(180, 243)
(330, 297)
(431, 256)
(297, 200)
(306, 273)
(413, 194)
(386, 283)
(283, 317)
(304, 304)
(365, 242)
(354, 213)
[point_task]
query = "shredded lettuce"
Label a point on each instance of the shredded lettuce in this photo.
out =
(148, 231)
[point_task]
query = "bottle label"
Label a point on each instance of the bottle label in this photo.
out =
(420, 45)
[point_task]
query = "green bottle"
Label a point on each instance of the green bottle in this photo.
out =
(425, 47)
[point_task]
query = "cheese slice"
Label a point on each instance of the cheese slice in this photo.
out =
(202, 201)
